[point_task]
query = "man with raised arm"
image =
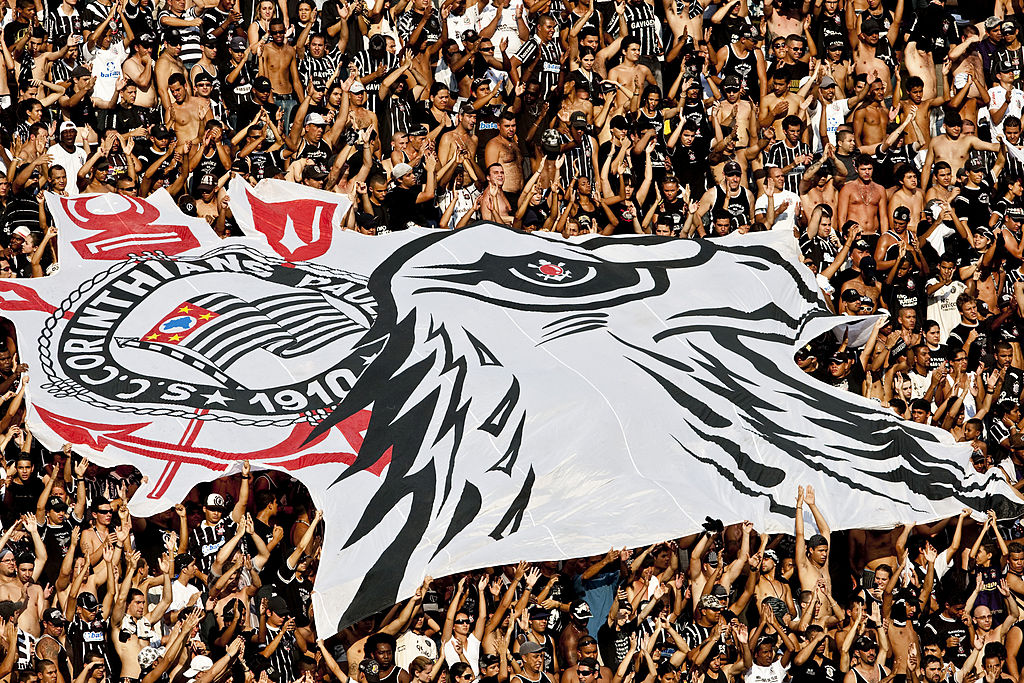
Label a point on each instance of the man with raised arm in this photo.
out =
(812, 553)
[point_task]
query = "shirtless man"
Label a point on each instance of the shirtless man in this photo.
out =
(139, 70)
(915, 104)
(494, 205)
(736, 113)
(864, 200)
(630, 71)
(952, 147)
(11, 586)
(981, 615)
(872, 548)
(359, 117)
(504, 150)
(166, 66)
(277, 62)
(908, 192)
(135, 631)
(768, 586)
(30, 567)
(865, 42)
(811, 554)
(462, 138)
(869, 121)
(41, 57)
(187, 115)
(778, 103)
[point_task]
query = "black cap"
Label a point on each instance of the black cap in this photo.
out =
(850, 295)
(867, 269)
(731, 83)
(732, 168)
(54, 616)
(870, 26)
(202, 77)
(262, 84)
(975, 165)
(182, 561)
(57, 504)
(578, 120)
(161, 132)
(862, 245)
(901, 213)
(88, 601)
(278, 606)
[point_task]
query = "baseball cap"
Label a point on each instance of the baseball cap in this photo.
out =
(578, 120)
(1004, 301)
(719, 591)
(54, 616)
(862, 245)
(209, 182)
(181, 561)
(580, 610)
(215, 501)
(161, 132)
(835, 44)
(198, 665)
(188, 205)
(357, 87)
(732, 168)
(319, 83)
(619, 122)
(864, 644)
(992, 22)
(975, 164)
(710, 602)
(901, 213)
(67, 125)
(238, 44)
(88, 601)
(539, 613)
(1009, 25)
(146, 40)
(55, 503)
(827, 82)
(418, 130)
(278, 606)
(202, 77)
(149, 655)
(210, 40)
(400, 170)
(477, 82)
(712, 559)
(870, 26)
(750, 31)
(262, 84)
(315, 119)
(530, 647)
(817, 539)
(81, 72)
(771, 555)
(731, 83)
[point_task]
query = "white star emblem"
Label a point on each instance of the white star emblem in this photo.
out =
(216, 397)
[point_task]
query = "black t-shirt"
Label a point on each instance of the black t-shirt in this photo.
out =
(21, 498)
(402, 207)
(950, 628)
(613, 643)
(690, 166)
(812, 671)
(958, 336)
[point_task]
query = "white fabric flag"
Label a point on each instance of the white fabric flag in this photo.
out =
(460, 399)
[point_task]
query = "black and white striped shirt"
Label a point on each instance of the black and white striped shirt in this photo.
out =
(641, 23)
(95, 13)
(59, 25)
(191, 36)
(780, 154)
(204, 541)
(282, 661)
(367, 64)
(407, 23)
(550, 55)
(311, 67)
(86, 638)
(578, 160)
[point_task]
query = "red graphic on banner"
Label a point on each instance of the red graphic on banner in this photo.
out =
(297, 229)
(288, 454)
(120, 234)
(15, 297)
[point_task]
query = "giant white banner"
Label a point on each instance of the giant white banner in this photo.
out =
(460, 399)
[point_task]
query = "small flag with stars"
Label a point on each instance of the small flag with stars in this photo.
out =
(176, 326)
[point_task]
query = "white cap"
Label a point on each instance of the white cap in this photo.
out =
(68, 125)
(200, 663)
(400, 170)
(357, 87)
(315, 119)
(22, 231)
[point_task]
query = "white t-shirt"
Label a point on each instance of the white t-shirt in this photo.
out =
(106, 67)
(72, 162)
(942, 306)
(774, 673)
(410, 645)
(997, 96)
(835, 116)
(457, 23)
(507, 27)
(786, 219)
(180, 593)
(471, 651)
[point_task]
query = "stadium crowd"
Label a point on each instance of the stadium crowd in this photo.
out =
(884, 135)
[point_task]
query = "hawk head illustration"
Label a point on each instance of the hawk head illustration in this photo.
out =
(518, 373)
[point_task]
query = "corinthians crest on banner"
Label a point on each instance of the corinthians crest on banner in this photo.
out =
(454, 400)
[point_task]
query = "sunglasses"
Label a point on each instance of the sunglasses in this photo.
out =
(463, 621)
(104, 512)
(276, 33)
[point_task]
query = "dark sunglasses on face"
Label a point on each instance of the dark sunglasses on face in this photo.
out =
(463, 621)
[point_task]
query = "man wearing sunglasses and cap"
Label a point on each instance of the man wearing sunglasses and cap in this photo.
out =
(215, 529)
